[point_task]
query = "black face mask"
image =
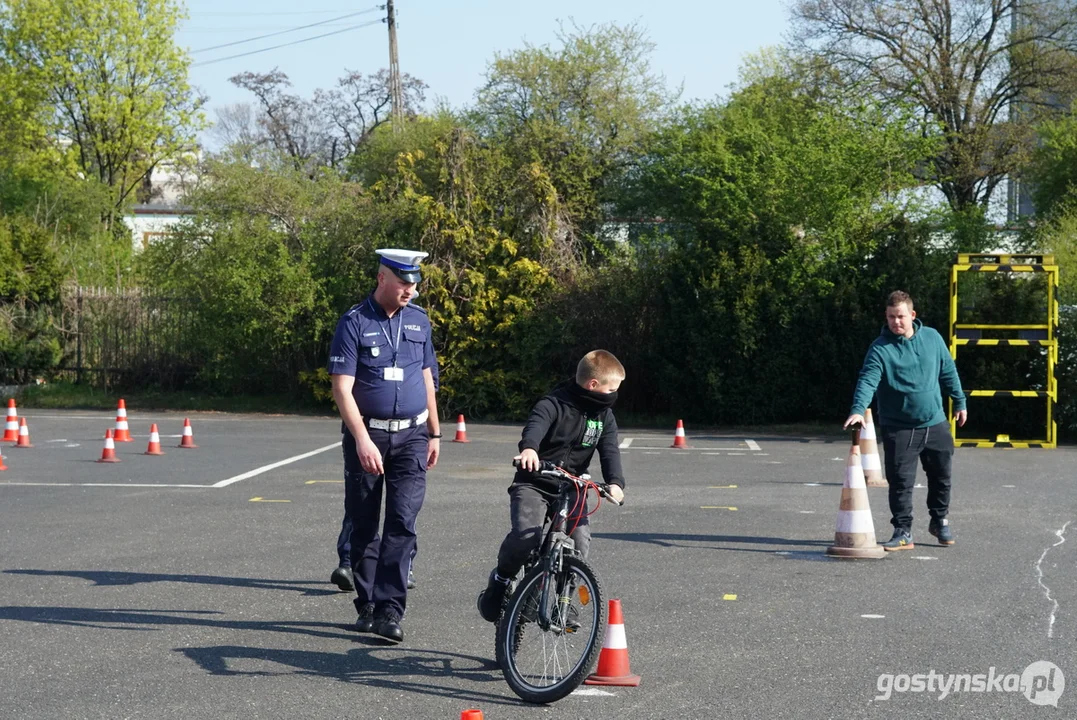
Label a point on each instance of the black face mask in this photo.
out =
(592, 400)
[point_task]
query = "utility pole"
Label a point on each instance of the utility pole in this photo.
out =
(396, 96)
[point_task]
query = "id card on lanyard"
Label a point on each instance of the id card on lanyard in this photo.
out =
(394, 373)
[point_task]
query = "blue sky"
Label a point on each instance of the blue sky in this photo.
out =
(448, 44)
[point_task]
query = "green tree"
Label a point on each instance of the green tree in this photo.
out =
(982, 72)
(113, 79)
(582, 111)
(1052, 174)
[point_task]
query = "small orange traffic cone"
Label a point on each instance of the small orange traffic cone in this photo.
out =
(461, 429)
(3, 467)
(154, 447)
(108, 454)
(11, 427)
(613, 666)
(123, 433)
(869, 453)
(472, 714)
(679, 440)
(24, 434)
(187, 441)
(855, 534)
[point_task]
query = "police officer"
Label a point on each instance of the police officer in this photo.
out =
(381, 363)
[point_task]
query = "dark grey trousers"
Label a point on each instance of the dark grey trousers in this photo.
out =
(934, 447)
(528, 511)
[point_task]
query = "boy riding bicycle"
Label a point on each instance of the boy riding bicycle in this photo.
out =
(565, 427)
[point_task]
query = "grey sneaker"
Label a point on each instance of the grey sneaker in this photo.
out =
(901, 540)
(941, 530)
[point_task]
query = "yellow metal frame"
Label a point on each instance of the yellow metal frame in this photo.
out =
(1010, 263)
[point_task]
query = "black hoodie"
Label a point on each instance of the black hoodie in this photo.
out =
(565, 427)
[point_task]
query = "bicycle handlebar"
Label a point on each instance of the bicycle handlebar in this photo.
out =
(551, 470)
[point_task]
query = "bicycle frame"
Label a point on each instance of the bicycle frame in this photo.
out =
(552, 552)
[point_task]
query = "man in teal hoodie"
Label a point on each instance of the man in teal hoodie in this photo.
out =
(907, 369)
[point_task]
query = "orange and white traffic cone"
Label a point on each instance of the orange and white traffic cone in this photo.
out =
(613, 666)
(154, 447)
(472, 714)
(461, 429)
(679, 441)
(123, 432)
(11, 427)
(187, 441)
(24, 434)
(855, 534)
(108, 453)
(869, 453)
(3, 467)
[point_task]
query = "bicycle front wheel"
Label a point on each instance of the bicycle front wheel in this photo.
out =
(543, 666)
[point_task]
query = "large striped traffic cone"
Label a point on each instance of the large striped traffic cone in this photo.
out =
(123, 432)
(187, 440)
(855, 534)
(24, 434)
(679, 441)
(613, 666)
(869, 454)
(108, 453)
(461, 429)
(154, 448)
(11, 427)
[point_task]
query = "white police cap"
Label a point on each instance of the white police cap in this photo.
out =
(405, 263)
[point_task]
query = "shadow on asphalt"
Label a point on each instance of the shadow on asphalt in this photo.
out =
(377, 664)
(682, 540)
(108, 577)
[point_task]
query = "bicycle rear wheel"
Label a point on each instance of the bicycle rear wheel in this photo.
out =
(544, 666)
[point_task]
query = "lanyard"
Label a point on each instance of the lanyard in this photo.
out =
(399, 326)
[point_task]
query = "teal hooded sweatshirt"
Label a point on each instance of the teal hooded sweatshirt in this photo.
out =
(908, 376)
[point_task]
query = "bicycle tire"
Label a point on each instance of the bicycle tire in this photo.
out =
(517, 624)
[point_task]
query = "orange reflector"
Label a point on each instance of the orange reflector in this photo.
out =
(585, 595)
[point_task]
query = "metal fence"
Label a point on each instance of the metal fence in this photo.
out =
(119, 337)
(129, 337)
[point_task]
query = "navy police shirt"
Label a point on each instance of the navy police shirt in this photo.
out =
(367, 342)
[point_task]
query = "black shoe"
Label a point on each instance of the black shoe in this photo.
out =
(343, 578)
(387, 624)
(901, 540)
(941, 530)
(411, 580)
(492, 598)
(365, 622)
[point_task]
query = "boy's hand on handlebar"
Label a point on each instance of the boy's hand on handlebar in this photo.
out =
(528, 460)
(617, 494)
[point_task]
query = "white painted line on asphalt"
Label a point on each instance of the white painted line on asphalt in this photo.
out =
(593, 691)
(70, 445)
(120, 485)
(710, 453)
(736, 453)
(652, 453)
(806, 512)
(923, 557)
(271, 466)
(626, 443)
(1009, 486)
(63, 440)
(760, 454)
(752, 445)
(640, 447)
(873, 617)
(1061, 534)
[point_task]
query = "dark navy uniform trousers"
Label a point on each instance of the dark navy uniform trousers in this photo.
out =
(381, 561)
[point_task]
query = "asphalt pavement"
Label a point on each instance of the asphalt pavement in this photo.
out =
(195, 584)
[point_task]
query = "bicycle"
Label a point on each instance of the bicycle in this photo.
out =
(554, 618)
